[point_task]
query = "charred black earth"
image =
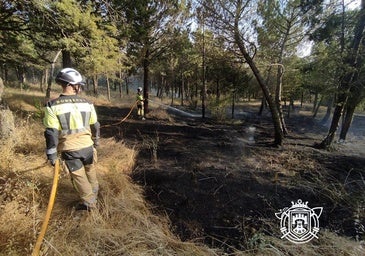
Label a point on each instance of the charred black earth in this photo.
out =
(219, 187)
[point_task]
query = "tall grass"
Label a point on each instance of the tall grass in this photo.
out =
(123, 224)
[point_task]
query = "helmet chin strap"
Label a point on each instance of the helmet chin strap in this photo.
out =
(75, 87)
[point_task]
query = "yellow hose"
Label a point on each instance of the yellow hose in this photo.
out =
(121, 121)
(38, 244)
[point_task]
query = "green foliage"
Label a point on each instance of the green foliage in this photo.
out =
(39, 106)
(218, 107)
(92, 42)
(322, 74)
(293, 78)
(335, 28)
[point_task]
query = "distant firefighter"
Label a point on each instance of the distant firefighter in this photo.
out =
(140, 103)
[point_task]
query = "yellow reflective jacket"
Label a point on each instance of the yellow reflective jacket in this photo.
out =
(139, 99)
(70, 123)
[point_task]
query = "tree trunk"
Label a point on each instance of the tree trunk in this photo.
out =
(126, 85)
(172, 94)
(315, 112)
(233, 102)
(262, 106)
(66, 59)
(20, 76)
(1, 89)
(5, 74)
(290, 106)
(120, 83)
(218, 92)
(315, 102)
(160, 88)
(329, 110)
(356, 96)
(279, 135)
(108, 87)
(50, 75)
(173, 85)
(120, 88)
(43, 80)
(204, 89)
(145, 81)
(349, 114)
(263, 100)
(279, 80)
(95, 84)
(279, 85)
(182, 89)
(345, 85)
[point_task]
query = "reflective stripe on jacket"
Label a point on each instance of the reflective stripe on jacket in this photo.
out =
(67, 120)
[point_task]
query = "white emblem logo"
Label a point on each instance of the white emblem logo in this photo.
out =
(299, 223)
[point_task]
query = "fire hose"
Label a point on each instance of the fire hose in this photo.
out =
(122, 120)
(38, 244)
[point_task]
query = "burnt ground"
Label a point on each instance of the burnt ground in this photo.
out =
(220, 188)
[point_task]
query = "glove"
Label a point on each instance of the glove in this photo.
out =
(53, 162)
(96, 142)
(52, 158)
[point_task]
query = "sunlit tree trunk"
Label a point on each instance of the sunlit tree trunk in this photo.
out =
(50, 75)
(279, 84)
(108, 87)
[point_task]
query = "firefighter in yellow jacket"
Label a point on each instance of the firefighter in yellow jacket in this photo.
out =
(140, 103)
(73, 131)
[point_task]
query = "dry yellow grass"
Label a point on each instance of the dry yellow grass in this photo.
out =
(123, 225)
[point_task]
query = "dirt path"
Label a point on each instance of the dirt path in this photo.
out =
(219, 187)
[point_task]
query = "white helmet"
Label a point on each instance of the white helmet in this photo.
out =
(69, 76)
(139, 89)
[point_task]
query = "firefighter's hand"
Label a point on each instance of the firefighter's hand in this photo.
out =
(96, 143)
(53, 162)
(52, 158)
